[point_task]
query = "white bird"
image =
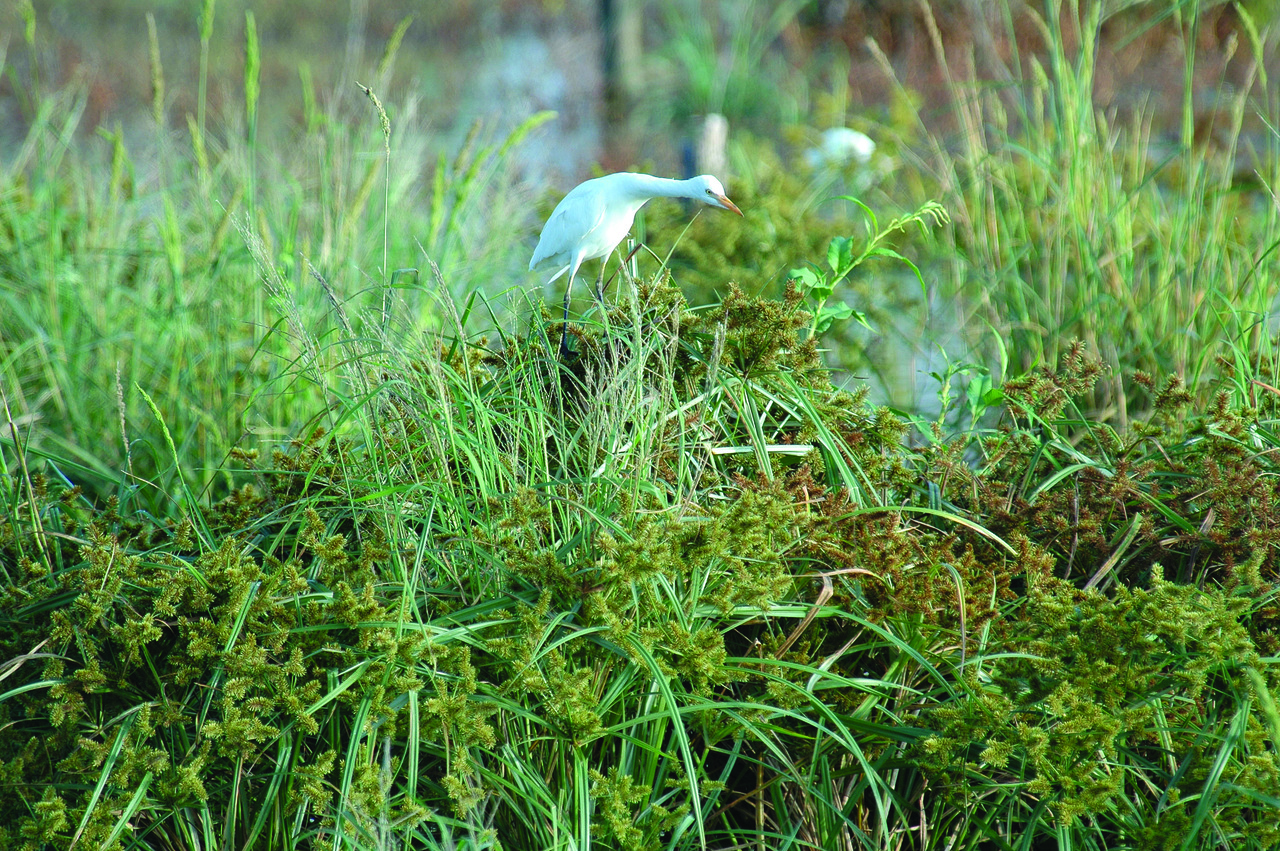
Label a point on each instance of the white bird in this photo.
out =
(841, 146)
(594, 217)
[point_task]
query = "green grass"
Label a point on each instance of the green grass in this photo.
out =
(1152, 237)
(300, 548)
(127, 272)
(1074, 223)
(527, 602)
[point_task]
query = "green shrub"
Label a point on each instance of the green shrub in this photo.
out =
(674, 583)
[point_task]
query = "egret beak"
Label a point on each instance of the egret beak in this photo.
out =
(727, 204)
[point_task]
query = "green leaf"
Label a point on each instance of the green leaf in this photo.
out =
(846, 256)
(979, 392)
(833, 254)
(805, 277)
(840, 257)
(829, 314)
(873, 224)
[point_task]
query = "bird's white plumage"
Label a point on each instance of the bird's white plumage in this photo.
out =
(839, 147)
(596, 215)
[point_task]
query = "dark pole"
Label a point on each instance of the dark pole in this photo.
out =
(620, 30)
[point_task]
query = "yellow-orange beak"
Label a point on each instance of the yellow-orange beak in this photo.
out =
(727, 204)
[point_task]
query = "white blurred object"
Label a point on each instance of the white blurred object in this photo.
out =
(840, 146)
(713, 139)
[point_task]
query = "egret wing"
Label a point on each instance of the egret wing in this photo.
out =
(578, 215)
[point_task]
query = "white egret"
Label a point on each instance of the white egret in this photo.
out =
(594, 217)
(839, 147)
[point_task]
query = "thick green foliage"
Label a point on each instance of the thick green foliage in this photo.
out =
(677, 591)
(1102, 696)
(184, 668)
(980, 629)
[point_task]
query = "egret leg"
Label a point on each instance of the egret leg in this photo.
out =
(564, 327)
(600, 286)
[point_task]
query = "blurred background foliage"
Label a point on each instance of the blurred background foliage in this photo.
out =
(1108, 172)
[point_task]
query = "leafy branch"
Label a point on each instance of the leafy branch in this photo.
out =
(817, 284)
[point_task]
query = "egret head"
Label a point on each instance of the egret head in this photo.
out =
(710, 191)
